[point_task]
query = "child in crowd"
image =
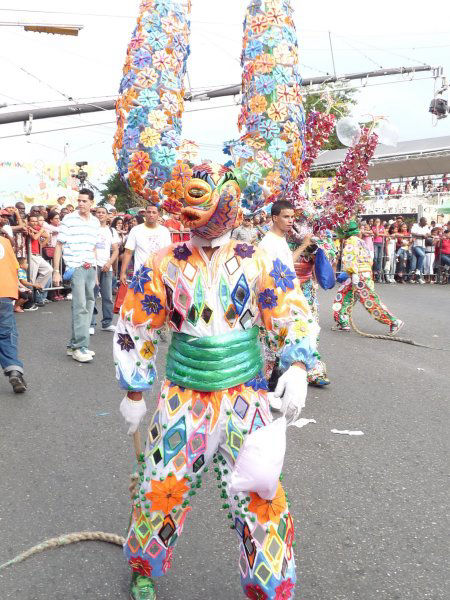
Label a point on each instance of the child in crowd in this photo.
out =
(25, 300)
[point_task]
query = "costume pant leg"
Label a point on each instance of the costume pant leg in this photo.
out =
(368, 297)
(309, 289)
(188, 431)
(343, 303)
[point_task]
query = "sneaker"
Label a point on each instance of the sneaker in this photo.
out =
(142, 588)
(46, 301)
(17, 381)
(69, 297)
(395, 327)
(40, 304)
(109, 328)
(70, 351)
(32, 308)
(82, 355)
(342, 328)
(91, 330)
(421, 280)
(319, 382)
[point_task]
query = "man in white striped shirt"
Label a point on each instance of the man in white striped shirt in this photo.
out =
(77, 239)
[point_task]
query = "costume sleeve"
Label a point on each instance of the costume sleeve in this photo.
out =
(350, 257)
(138, 331)
(290, 329)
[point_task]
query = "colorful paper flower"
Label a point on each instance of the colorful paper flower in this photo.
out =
(182, 252)
(140, 162)
(147, 350)
(244, 250)
(142, 59)
(277, 148)
(268, 299)
(258, 104)
(271, 38)
(131, 137)
(282, 75)
(254, 48)
(182, 172)
(158, 119)
(151, 304)
(259, 382)
(170, 138)
(164, 155)
(253, 172)
(265, 159)
(277, 112)
(265, 85)
(268, 510)
(149, 98)
(172, 206)
(170, 101)
(264, 64)
(141, 566)
(140, 278)
(125, 342)
(156, 177)
(157, 40)
(282, 275)
(147, 78)
(166, 495)
(284, 590)
(150, 137)
(255, 592)
(137, 116)
(173, 190)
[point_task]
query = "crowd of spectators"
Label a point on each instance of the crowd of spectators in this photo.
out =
(33, 234)
(418, 186)
(408, 252)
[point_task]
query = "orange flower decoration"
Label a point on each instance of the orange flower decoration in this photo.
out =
(136, 182)
(181, 172)
(265, 63)
(167, 494)
(258, 104)
(172, 206)
(140, 162)
(268, 510)
(173, 190)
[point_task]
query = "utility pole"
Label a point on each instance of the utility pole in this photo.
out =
(332, 53)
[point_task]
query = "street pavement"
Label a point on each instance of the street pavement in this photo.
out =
(370, 511)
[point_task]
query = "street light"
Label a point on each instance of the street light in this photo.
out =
(55, 29)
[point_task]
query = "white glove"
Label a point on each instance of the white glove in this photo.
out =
(133, 411)
(355, 279)
(291, 388)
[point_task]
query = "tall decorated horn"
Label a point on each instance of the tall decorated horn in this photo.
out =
(147, 143)
(269, 153)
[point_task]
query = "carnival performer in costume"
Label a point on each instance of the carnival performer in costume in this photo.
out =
(214, 293)
(359, 284)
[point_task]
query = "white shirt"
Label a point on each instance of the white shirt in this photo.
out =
(144, 241)
(79, 239)
(107, 236)
(277, 247)
(418, 230)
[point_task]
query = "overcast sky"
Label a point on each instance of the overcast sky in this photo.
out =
(365, 36)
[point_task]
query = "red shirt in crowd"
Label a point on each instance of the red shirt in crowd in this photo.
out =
(445, 247)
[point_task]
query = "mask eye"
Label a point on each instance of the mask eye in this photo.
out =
(197, 192)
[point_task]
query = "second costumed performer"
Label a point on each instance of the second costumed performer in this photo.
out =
(215, 293)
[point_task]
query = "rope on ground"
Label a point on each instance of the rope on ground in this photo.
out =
(392, 338)
(64, 540)
(73, 538)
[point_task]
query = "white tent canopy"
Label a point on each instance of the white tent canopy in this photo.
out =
(414, 157)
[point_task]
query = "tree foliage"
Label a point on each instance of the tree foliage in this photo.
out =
(126, 198)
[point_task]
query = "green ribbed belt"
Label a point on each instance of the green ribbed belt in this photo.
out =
(216, 362)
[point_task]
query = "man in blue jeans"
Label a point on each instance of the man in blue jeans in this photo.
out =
(107, 250)
(77, 241)
(9, 290)
(419, 231)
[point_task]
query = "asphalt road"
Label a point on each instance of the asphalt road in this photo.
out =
(370, 511)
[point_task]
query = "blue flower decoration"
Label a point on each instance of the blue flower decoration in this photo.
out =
(157, 40)
(156, 177)
(169, 79)
(244, 250)
(127, 81)
(140, 278)
(149, 99)
(282, 75)
(131, 137)
(151, 304)
(142, 59)
(137, 116)
(282, 275)
(268, 299)
(253, 122)
(253, 192)
(254, 49)
(171, 138)
(125, 342)
(182, 252)
(165, 156)
(265, 85)
(258, 382)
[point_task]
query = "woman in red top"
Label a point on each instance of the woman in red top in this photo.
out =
(379, 234)
(445, 255)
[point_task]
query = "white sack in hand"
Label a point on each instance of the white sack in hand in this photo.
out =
(260, 460)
